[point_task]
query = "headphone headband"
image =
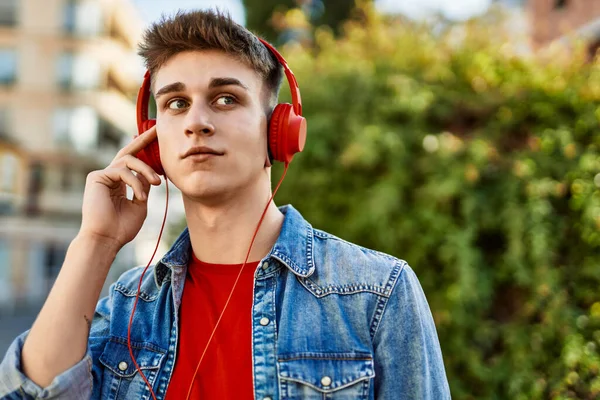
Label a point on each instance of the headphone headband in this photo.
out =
(142, 103)
(294, 89)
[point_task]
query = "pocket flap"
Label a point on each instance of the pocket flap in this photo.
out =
(116, 357)
(327, 373)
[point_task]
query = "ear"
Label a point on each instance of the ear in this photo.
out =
(268, 162)
(268, 158)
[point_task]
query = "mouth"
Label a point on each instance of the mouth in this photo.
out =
(201, 152)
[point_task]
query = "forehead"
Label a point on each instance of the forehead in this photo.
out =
(195, 69)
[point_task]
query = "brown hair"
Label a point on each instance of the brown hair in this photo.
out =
(210, 30)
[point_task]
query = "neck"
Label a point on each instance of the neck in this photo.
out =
(222, 234)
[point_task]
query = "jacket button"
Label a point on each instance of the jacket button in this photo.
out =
(264, 321)
(266, 398)
(123, 366)
(325, 381)
(265, 265)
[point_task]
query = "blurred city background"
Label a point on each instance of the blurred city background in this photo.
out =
(462, 136)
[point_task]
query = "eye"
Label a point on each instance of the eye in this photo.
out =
(177, 104)
(226, 100)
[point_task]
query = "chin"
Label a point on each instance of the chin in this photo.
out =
(206, 190)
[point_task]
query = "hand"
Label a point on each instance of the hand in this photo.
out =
(107, 214)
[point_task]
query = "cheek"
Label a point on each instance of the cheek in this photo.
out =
(247, 134)
(161, 125)
(164, 127)
(163, 130)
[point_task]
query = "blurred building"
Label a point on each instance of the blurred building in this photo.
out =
(557, 20)
(68, 80)
(554, 19)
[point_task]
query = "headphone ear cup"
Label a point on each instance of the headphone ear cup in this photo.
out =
(274, 133)
(287, 133)
(151, 153)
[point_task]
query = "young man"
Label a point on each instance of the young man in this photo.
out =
(311, 317)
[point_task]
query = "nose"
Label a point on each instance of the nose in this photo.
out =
(197, 121)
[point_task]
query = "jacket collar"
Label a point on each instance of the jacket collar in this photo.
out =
(293, 248)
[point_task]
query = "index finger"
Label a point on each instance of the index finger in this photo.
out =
(138, 143)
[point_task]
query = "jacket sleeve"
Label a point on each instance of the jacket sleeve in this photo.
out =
(73, 384)
(408, 358)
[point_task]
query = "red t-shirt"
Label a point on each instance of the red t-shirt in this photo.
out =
(226, 370)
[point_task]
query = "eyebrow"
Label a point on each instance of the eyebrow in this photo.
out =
(171, 87)
(214, 82)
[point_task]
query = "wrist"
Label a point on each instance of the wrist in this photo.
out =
(106, 245)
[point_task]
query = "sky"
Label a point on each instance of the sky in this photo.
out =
(151, 10)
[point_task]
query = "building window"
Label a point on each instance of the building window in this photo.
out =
(5, 262)
(69, 16)
(8, 12)
(8, 66)
(77, 71)
(36, 185)
(54, 257)
(109, 136)
(82, 17)
(560, 4)
(66, 179)
(4, 123)
(8, 172)
(76, 128)
(64, 70)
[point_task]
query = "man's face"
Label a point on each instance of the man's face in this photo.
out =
(210, 101)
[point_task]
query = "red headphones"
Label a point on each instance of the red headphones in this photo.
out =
(286, 131)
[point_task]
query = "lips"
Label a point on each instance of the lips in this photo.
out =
(201, 150)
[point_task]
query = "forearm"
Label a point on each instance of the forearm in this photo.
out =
(58, 338)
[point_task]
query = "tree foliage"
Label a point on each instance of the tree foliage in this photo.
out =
(478, 166)
(268, 17)
(259, 16)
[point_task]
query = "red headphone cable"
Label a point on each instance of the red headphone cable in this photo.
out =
(237, 279)
(137, 296)
(228, 298)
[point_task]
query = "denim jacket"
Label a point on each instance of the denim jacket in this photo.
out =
(329, 320)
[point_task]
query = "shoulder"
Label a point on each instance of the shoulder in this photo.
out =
(345, 267)
(121, 294)
(127, 284)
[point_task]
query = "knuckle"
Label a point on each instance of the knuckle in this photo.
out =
(117, 162)
(92, 176)
(133, 162)
(118, 155)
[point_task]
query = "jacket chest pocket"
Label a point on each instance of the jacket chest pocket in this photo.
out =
(325, 378)
(121, 379)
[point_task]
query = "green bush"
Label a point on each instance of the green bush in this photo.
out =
(479, 167)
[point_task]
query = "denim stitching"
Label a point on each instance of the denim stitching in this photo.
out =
(122, 374)
(90, 376)
(383, 301)
(325, 356)
(328, 236)
(124, 290)
(138, 345)
(290, 263)
(333, 388)
(309, 255)
(118, 385)
(320, 291)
